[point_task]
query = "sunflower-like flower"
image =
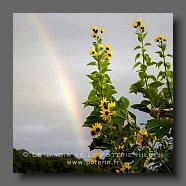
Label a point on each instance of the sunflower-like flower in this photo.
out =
(137, 23)
(100, 47)
(94, 35)
(92, 52)
(143, 132)
(125, 139)
(108, 47)
(104, 103)
(106, 57)
(148, 160)
(106, 114)
(139, 139)
(97, 127)
(160, 38)
(142, 27)
(120, 148)
(112, 105)
(101, 30)
(96, 156)
(125, 168)
(109, 54)
(94, 29)
(120, 170)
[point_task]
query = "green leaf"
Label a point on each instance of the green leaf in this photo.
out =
(147, 44)
(137, 87)
(142, 75)
(137, 47)
(152, 77)
(167, 73)
(143, 67)
(92, 94)
(145, 102)
(169, 55)
(93, 75)
(159, 64)
(132, 115)
(122, 113)
(93, 63)
(144, 35)
(162, 75)
(155, 84)
(136, 64)
(160, 127)
(110, 92)
(118, 120)
(93, 118)
(123, 102)
(160, 53)
(147, 58)
(140, 38)
(141, 107)
(137, 56)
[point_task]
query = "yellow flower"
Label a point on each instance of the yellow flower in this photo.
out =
(164, 38)
(94, 35)
(106, 57)
(103, 103)
(96, 156)
(120, 148)
(94, 29)
(154, 138)
(160, 38)
(108, 47)
(126, 167)
(106, 114)
(142, 27)
(97, 127)
(143, 132)
(148, 160)
(109, 54)
(101, 30)
(100, 46)
(139, 139)
(98, 53)
(112, 105)
(120, 170)
(125, 139)
(92, 52)
(137, 23)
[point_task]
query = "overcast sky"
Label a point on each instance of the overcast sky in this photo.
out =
(43, 113)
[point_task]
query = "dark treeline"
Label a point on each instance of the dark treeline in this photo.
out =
(50, 164)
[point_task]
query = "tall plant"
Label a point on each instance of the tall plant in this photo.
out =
(113, 127)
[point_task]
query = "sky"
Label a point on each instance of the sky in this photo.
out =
(50, 53)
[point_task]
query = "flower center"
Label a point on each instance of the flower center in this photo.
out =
(97, 129)
(105, 107)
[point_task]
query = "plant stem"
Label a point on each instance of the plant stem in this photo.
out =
(146, 83)
(164, 63)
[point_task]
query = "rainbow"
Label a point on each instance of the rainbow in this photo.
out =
(70, 97)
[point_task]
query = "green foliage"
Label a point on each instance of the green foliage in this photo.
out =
(118, 130)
